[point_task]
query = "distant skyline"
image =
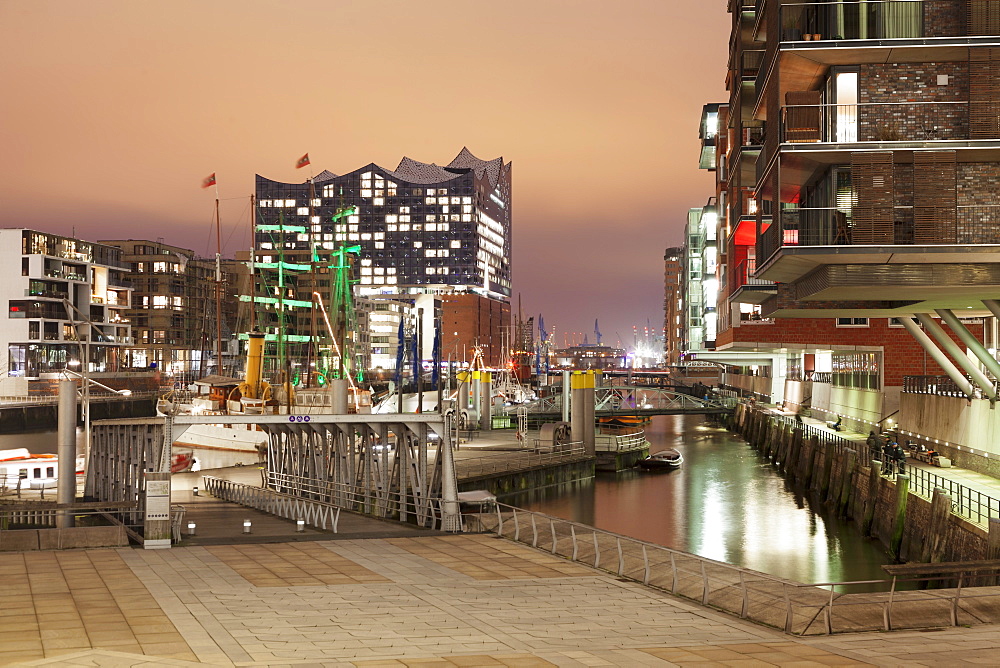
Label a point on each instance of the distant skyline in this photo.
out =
(115, 111)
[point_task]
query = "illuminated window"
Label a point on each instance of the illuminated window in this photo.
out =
(379, 244)
(302, 211)
(431, 218)
(466, 218)
(418, 227)
(378, 201)
(456, 200)
(444, 209)
(391, 218)
(418, 244)
(430, 227)
(404, 227)
(316, 202)
(466, 209)
(366, 193)
(353, 237)
(442, 200)
(456, 244)
(430, 200)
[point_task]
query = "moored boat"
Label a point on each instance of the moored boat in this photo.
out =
(664, 459)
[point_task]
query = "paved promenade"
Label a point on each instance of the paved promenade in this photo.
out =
(391, 601)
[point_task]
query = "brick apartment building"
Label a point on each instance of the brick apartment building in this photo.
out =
(673, 304)
(858, 191)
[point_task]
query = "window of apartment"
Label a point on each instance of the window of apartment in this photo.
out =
(897, 322)
(842, 104)
(33, 332)
(24, 266)
(852, 322)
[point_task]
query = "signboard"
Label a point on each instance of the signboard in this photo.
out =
(157, 500)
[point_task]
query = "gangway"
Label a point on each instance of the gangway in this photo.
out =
(618, 400)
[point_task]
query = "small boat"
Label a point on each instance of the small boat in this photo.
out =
(664, 459)
(624, 420)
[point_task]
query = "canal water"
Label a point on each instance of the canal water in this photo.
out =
(725, 503)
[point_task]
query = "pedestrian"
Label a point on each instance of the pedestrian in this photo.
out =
(871, 441)
(900, 459)
(888, 456)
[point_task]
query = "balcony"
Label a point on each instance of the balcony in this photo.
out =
(888, 20)
(882, 122)
(747, 289)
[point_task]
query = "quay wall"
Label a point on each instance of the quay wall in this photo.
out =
(32, 417)
(509, 482)
(838, 477)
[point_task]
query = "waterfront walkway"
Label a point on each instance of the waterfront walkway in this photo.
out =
(464, 600)
(977, 482)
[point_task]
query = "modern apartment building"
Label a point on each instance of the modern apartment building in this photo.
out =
(418, 229)
(673, 304)
(174, 309)
(67, 304)
(860, 181)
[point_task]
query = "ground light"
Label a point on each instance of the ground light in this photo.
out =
(191, 528)
(246, 526)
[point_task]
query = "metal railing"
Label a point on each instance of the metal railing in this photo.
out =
(475, 467)
(619, 442)
(895, 19)
(875, 121)
(942, 386)
(319, 503)
(971, 504)
(799, 609)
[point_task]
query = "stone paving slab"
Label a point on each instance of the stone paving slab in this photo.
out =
(431, 601)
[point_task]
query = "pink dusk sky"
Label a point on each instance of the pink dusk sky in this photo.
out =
(113, 111)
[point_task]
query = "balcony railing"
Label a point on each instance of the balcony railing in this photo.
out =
(889, 19)
(743, 275)
(875, 122)
(834, 226)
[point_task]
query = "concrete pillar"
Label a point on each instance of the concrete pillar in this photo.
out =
(589, 404)
(463, 394)
(933, 548)
(942, 360)
(476, 392)
(850, 457)
(874, 481)
(950, 347)
(486, 401)
(582, 415)
(969, 339)
(899, 521)
(66, 451)
(338, 396)
(451, 516)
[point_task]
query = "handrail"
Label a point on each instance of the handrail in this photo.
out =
(798, 608)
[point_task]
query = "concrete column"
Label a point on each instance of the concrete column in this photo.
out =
(477, 391)
(933, 546)
(486, 401)
(942, 360)
(874, 481)
(66, 451)
(566, 395)
(463, 396)
(338, 396)
(957, 354)
(969, 339)
(899, 522)
(451, 516)
(582, 414)
(845, 482)
(589, 404)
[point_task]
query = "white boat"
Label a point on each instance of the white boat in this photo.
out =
(665, 459)
(21, 469)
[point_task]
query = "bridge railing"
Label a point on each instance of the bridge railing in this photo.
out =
(799, 609)
(474, 467)
(619, 442)
(319, 503)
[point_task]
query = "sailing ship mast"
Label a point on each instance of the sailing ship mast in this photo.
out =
(218, 288)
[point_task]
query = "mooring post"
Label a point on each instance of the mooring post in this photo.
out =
(874, 478)
(845, 481)
(486, 414)
(933, 548)
(902, 492)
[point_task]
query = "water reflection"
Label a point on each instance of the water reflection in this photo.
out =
(724, 503)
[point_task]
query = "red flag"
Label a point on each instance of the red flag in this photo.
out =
(209, 181)
(302, 162)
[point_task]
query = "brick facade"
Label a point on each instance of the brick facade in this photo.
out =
(470, 320)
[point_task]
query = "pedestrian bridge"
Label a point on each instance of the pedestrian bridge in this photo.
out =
(615, 400)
